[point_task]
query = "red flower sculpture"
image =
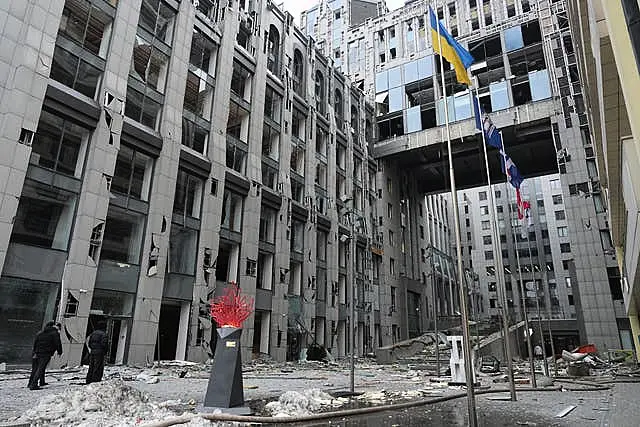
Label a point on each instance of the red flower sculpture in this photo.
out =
(231, 309)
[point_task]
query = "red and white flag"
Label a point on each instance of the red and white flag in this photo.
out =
(524, 211)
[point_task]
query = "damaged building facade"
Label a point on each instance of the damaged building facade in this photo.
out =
(542, 262)
(608, 52)
(154, 151)
(528, 79)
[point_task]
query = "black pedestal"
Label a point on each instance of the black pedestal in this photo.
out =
(225, 389)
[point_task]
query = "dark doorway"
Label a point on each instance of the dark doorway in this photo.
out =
(257, 334)
(115, 333)
(413, 314)
(167, 341)
(294, 344)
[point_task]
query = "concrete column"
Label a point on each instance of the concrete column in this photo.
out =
(80, 271)
(212, 203)
(28, 37)
(150, 287)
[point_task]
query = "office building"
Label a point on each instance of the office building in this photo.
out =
(608, 58)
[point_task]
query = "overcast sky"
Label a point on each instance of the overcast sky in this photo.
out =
(295, 7)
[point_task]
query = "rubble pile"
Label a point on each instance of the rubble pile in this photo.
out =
(109, 403)
(586, 361)
(292, 403)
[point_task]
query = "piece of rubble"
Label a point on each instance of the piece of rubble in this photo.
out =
(565, 411)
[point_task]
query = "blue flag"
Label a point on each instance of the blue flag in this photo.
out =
(484, 123)
(512, 172)
(492, 137)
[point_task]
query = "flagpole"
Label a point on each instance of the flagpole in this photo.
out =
(544, 347)
(497, 244)
(505, 306)
(468, 367)
(524, 303)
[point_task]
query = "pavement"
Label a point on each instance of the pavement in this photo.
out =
(381, 384)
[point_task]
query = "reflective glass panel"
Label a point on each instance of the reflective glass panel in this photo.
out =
(513, 38)
(425, 67)
(413, 122)
(395, 99)
(395, 77)
(499, 96)
(411, 72)
(462, 106)
(381, 82)
(540, 87)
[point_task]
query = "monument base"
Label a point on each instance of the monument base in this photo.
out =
(238, 410)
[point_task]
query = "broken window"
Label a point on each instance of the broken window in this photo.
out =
(321, 142)
(320, 92)
(132, 173)
(195, 136)
(297, 236)
(122, 239)
(183, 250)
(298, 73)
(338, 107)
(59, 145)
(188, 195)
(95, 241)
(321, 175)
(241, 81)
(298, 120)
(44, 216)
(270, 142)
(238, 122)
(203, 53)
(273, 50)
(198, 95)
(232, 211)
(322, 238)
(267, 228)
(251, 267)
(269, 176)
(143, 107)
(149, 64)
(297, 159)
(236, 157)
(71, 308)
(264, 273)
(74, 72)
(297, 190)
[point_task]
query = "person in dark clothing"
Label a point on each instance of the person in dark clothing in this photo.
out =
(97, 344)
(47, 342)
(41, 381)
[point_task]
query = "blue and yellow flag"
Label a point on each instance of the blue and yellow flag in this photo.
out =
(446, 46)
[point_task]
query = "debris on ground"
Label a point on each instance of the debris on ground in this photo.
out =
(565, 411)
(293, 403)
(422, 349)
(109, 403)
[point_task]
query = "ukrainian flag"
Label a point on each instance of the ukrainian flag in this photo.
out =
(447, 47)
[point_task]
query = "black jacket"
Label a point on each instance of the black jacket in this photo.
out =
(98, 342)
(47, 342)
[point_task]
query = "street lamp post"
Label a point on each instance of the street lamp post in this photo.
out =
(352, 304)
(431, 250)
